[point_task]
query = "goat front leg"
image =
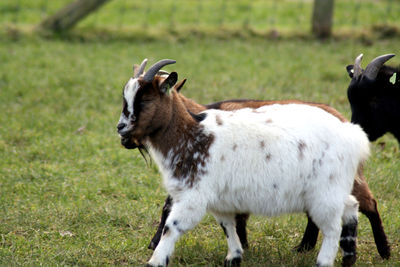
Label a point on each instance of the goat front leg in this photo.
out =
(235, 250)
(184, 216)
(164, 215)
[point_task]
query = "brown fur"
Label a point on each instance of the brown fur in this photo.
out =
(159, 123)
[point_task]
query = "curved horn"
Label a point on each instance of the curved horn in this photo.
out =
(371, 71)
(149, 76)
(357, 66)
(162, 72)
(141, 68)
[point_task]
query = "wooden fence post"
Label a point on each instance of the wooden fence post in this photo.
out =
(71, 14)
(322, 18)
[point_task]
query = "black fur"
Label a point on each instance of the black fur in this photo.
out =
(241, 221)
(166, 230)
(164, 215)
(310, 237)
(198, 117)
(348, 242)
(225, 232)
(235, 262)
(375, 104)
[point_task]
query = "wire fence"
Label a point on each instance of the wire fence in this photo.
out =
(282, 15)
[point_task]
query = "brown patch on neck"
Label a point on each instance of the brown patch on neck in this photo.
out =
(183, 143)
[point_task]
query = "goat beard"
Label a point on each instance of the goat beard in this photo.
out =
(143, 151)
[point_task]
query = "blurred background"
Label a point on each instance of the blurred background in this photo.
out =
(242, 17)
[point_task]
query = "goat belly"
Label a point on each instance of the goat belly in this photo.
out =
(278, 159)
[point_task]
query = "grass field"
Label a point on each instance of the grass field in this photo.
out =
(241, 17)
(70, 195)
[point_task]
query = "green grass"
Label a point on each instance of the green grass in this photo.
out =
(75, 197)
(71, 195)
(293, 16)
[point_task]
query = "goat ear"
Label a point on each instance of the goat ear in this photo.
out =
(179, 85)
(350, 70)
(168, 82)
(135, 69)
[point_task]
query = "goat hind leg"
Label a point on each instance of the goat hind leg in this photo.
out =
(241, 222)
(309, 238)
(348, 238)
(368, 207)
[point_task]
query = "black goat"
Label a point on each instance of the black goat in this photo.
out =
(374, 96)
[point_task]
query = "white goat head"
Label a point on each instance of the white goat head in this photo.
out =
(144, 97)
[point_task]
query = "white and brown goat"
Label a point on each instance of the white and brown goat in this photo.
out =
(367, 203)
(270, 160)
(361, 191)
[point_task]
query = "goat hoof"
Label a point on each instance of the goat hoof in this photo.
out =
(159, 265)
(235, 262)
(348, 260)
(384, 252)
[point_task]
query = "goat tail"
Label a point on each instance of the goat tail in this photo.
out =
(360, 148)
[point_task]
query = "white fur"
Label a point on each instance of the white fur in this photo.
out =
(272, 160)
(130, 91)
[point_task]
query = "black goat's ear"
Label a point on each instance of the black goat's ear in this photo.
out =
(179, 85)
(168, 82)
(350, 70)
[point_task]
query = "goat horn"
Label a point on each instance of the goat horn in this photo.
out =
(371, 71)
(162, 72)
(357, 66)
(141, 68)
(149, 76)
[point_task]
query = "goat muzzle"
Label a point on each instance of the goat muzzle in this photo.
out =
(129, 142)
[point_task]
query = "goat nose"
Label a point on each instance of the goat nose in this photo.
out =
(121, 126)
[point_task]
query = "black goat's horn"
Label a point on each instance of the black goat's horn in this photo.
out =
(357, 67)
(371, 71)
(149, 76)
(141, 68)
